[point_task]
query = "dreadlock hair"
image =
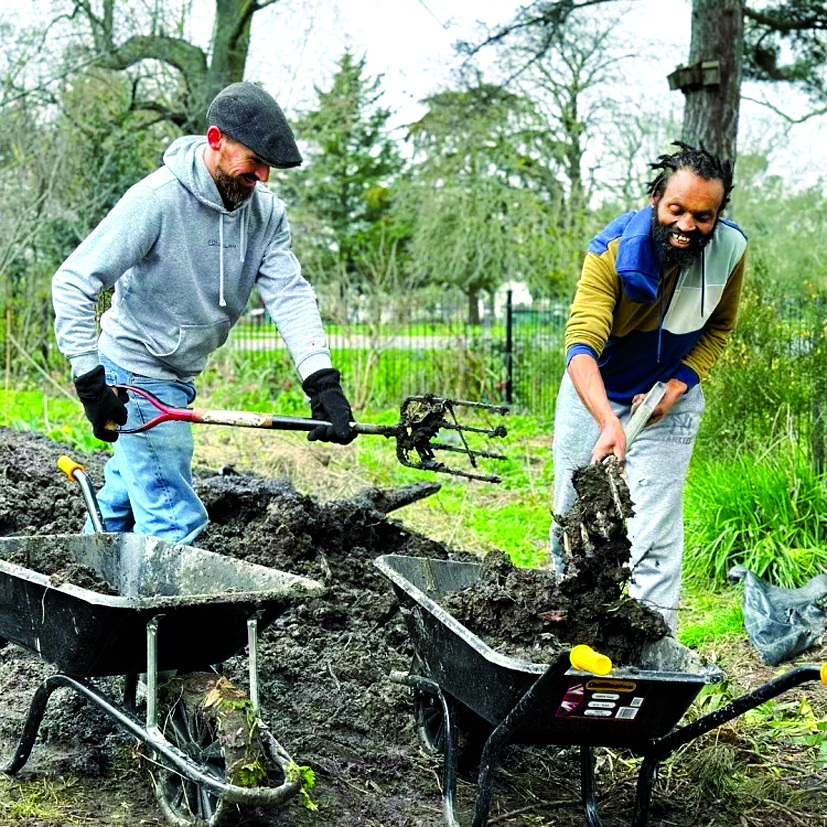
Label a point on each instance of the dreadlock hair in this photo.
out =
(698, 161)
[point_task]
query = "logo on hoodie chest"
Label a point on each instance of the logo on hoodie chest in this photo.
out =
(213, 242)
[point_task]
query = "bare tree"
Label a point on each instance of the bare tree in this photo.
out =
(782, 40)
(200, 73)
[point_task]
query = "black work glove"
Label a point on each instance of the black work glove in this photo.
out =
(328, 402)
(103, 407)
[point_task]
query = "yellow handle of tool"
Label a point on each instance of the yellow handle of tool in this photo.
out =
(585, 659)
(69, 466)
(824, 674)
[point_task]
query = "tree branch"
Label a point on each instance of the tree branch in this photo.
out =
(552, 15)
(786, 20)
(190, 60)
(789, 118)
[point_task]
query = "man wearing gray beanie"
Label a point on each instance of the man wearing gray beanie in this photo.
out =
(183, 250)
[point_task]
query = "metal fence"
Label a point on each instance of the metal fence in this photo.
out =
(774, 366)
(515, 358)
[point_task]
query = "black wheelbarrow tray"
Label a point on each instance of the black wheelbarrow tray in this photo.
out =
(172, 607)
(470, 698)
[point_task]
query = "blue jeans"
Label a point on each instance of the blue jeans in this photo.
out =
(656, 466)
(148, 481)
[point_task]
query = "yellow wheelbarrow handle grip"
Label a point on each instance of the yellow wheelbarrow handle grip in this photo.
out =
(585, 659)
(69, 466)
(77, 473)
(824, 674)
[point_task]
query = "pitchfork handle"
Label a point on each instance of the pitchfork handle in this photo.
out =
(299, 423)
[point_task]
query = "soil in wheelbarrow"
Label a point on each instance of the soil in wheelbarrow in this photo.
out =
(534, 615)
(326, 692)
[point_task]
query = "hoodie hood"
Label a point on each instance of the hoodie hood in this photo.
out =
(185, 160)
(636, 264)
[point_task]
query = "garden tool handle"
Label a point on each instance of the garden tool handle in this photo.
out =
(76, 472)
(585, 659)
(643, 412)
(238, 419)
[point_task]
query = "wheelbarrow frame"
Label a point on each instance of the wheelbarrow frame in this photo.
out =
(522, 701)
(168, 595)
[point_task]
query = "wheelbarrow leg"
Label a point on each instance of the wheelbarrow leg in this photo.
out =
(646, 777)
(587, 787)
(449, 766)
(498, 738)
(36, 711)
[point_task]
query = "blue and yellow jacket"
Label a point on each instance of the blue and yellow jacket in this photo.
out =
(643, 327)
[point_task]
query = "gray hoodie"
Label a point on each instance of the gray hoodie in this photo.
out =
(183, 268)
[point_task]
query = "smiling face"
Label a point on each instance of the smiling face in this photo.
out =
(235, 168)
(685, 215)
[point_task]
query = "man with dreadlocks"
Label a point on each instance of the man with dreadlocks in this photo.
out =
(656, 301)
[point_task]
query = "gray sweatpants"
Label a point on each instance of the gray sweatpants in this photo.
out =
(656, 467)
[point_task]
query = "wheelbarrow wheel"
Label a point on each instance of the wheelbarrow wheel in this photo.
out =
(183, 802)
(206, 717)
(472, 731)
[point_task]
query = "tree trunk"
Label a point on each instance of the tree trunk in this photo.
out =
(711, 113)
(202, 74)
(473, 306)
(230, 45)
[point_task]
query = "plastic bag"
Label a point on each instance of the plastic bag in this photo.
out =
(781, 623)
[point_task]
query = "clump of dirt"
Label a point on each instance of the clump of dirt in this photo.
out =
(81, 576)
(59, 566)
(533, 614)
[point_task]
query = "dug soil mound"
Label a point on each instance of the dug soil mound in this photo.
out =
(324, 669)
(535, 615)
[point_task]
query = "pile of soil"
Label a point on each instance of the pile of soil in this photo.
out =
(324, 669)
(531, 615)
(535, 615)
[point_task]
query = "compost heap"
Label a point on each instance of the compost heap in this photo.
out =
(323, 665)
(534, 615)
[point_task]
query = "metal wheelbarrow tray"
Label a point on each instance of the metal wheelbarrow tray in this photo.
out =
(174, 607)
(464, 689)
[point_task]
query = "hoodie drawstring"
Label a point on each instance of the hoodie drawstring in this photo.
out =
(661, 291)
(221, 300)
(703, 281)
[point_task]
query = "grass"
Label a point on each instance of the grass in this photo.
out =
(59, 417)
(33, 799)
(709, 614)
(769, 514)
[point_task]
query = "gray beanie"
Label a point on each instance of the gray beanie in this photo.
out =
(247, 114)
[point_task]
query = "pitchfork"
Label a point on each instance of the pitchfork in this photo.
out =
(421, 418)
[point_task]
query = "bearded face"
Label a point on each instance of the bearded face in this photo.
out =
(669, 255)
(234, 189)
(684, 217)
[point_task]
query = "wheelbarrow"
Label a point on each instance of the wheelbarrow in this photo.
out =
(160, 606)
(470, 700)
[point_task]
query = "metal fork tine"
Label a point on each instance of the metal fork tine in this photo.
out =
(440, 446)
(499, 431)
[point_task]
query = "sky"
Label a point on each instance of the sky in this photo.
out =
(410, 42)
